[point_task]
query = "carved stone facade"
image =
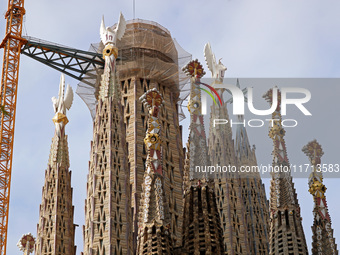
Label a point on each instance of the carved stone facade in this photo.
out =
(151, 61)
(241, 197)
(55, 230)
(228, 185)
(145, 60)
(253, 195)
(107, 228)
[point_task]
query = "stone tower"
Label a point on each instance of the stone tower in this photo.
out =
(241, 197)
(286, 232)
(323, 240)
(228, 186)
(202, 233)
(154, 236)
(147, 58)
(107, 227)
(55, 230)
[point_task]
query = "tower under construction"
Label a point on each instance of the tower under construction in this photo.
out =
(146, 58)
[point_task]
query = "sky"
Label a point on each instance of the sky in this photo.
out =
(256, 39)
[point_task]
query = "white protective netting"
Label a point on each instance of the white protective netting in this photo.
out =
(146, 51)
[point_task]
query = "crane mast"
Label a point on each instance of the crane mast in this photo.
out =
(12, 44)
(81, 65)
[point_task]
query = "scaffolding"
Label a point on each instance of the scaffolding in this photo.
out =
(146, 50)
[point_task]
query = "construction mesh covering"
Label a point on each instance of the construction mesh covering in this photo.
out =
(146, 51)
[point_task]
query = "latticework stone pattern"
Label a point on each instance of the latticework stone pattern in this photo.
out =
(253, 195)
(286, 231)
(149, 59)
(136, 117)
(107, 227)
(155, 239)
(230, 202)
(256, 213)
(202, 233)
(55, 230)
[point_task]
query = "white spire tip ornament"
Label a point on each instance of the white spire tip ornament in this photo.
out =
(61, 104)
(109, 35)
(64, 100)
(217, 69)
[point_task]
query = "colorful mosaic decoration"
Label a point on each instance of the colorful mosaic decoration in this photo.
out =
(26, 243)
(154, 213)
(194, 69)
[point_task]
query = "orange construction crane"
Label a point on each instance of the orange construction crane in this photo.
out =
(12, 44)
(79, 64)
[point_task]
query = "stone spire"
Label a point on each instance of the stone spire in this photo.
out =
(323, 240)
(146, 58)
(107, 227)
(222, 153)
(286, 231)
(227, 185)
(55, 230)
(201, 221)
(154, 235)
(253, 191)
(241, 197)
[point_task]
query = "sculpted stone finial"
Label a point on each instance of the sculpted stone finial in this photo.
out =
(217, 69)
(61, 104)
(110, 36)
